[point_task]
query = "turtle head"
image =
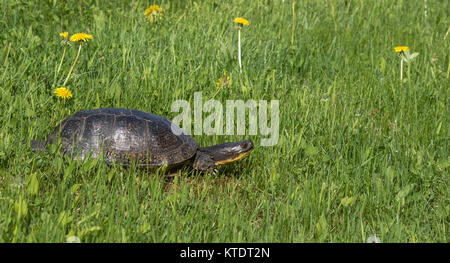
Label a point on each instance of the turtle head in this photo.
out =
(208, 158)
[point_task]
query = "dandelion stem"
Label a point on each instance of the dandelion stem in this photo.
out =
(239, 50)
(293, 22)
(62, 58)
(409, 73)
(7, 54)
(59, 67)
(73, 65)
(401, 69)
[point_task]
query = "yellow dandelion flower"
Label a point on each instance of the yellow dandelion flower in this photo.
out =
(64, 35)
(153, 8)
(153, 12)
(401, 49)
(241, 21)
(80, 37)
(223, 81)
(63, 93)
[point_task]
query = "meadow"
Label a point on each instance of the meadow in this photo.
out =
(360, 153)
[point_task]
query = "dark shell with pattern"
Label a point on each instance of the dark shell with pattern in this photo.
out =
(124, 136)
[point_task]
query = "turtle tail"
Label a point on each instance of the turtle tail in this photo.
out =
(37, 146)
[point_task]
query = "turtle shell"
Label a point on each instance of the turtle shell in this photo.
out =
(123, 136)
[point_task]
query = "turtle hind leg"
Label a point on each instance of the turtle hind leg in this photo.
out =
(37, 146)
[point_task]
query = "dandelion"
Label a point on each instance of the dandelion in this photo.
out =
(64, 35)
(241, 22)
(65, 38)
(79, 38)
(223, 81)
(404, 54)
(401, 49)
(62, 93)
(153, 13)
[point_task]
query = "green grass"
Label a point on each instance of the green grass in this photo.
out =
(360, 153)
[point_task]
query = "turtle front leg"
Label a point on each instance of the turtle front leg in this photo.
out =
(204, 162)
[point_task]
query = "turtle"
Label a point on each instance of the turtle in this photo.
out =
(119, 135)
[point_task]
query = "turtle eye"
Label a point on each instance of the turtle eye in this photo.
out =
(244, 145)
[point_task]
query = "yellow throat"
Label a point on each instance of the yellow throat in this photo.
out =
(242, 155)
